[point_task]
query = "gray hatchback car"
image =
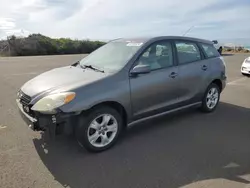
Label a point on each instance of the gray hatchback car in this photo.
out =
(121, 83)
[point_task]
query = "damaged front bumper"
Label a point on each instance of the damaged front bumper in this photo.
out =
(59, 123)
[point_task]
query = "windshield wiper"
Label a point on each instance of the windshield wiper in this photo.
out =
(91, 67)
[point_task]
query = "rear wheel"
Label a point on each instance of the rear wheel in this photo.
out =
(99, 129)
(211, 98)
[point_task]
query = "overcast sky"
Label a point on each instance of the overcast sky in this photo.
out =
(107, 19)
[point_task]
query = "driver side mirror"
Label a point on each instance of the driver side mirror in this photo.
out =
(140, 69)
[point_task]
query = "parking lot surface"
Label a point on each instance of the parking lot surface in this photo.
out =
(187, 149)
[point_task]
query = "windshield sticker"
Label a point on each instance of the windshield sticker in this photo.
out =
(134, 44)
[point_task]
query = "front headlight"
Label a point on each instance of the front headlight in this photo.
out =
(48, 104)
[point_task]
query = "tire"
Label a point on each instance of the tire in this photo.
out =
(97, 125)
(207, 106)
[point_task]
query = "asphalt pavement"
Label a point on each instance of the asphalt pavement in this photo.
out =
(187, 149)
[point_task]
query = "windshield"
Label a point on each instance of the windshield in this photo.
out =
(112, 56)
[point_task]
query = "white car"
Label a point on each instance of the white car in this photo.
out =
(245, 67)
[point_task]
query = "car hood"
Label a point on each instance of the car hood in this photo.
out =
(61, 78)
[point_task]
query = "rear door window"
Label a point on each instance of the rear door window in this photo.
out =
(187, 52)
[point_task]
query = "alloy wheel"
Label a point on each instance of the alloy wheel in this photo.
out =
(102, 130)
(212, 98)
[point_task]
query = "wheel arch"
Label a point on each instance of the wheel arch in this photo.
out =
(115, 105)
(218, 82)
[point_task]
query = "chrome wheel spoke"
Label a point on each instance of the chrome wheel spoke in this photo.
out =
(209, 95)
(105, 119)
(209, 102)
(213, 90)
(104, 139)
(216, 95)
(93, 138)
(216, 100)
(112, 128)
(95, 125)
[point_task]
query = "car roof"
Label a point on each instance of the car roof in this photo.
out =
(152, 39)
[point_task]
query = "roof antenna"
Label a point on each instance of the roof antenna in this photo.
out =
(188, 30)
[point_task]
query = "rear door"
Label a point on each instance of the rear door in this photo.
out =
(193, 70)
(216, 64)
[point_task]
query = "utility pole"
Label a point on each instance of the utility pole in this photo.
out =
(8, 45)
(9, 49)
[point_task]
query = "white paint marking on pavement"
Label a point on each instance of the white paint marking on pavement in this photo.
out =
(235, 81)
(3, 127)
(240, 85)
(231, 165)
(246, 177)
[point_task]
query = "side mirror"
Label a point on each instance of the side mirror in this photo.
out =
(140, 69)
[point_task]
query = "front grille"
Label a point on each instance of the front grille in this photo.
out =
(24, 99)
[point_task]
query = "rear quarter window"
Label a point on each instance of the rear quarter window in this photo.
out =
(210, 51)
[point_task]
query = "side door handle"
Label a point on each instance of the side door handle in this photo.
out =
(173, 75)
(204, 67)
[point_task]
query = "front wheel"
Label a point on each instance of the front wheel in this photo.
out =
(211, 98)
(99, 129)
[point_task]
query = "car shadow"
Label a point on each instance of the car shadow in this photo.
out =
(227, 54)
(171, 151)
(247, 76)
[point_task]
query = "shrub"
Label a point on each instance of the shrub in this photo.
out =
(37, 44)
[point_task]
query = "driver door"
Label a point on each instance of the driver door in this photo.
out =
(156, 91)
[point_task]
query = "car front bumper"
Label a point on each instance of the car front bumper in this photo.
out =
(53, 123)
(245, 70)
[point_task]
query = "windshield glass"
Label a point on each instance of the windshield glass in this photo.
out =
(112, 56)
